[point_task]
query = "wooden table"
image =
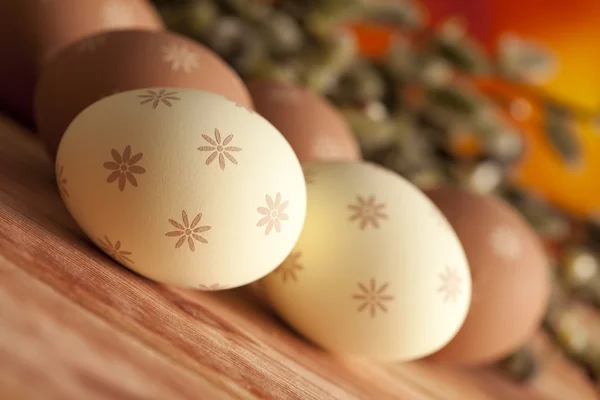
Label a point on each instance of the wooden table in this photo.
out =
(75, 325)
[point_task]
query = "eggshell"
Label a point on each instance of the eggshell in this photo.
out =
(511, 282)
(202, 193)
(308, 121)
(377, 270)
(113, 62)
(32, 31)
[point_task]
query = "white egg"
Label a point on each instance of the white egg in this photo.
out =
(189, 189)
(377, 271)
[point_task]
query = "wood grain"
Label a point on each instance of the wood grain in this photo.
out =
(75, 325)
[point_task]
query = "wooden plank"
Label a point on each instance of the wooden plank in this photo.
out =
(53, 348)
(80, 326)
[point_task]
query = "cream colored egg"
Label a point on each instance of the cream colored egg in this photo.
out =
(377, 271)
(183, 186)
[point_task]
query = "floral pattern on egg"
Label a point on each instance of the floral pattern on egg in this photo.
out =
(505, 243)
(367, 212)
(273, 214)
(371, 283)
(196, 218)
(91, 44)
(220, 149)
(451, 284)
(180, 58)
(507, 269)
(373, 297)
(157, 98)
(124, 167)
(115, 250)
(188, 232)
(291, 267)
(113, 58)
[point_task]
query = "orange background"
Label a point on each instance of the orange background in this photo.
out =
(571, 30)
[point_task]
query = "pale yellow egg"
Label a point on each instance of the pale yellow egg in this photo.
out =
(377, 271)
(183, 186)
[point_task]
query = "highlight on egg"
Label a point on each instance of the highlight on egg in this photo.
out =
(377, 270)
(511, 280)
(195, 191)
(311, 124)
(113, 62)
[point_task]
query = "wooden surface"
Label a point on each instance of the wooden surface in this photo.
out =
(75, 325)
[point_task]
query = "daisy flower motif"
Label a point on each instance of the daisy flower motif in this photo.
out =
(211, 288)
(156, 98)
(290, 267)
(124, 167)
(220, 149)
(372, 297)
(188, 232)
(451, 284)
(506, 244)
(91, 44)
(180, 58)
(62, 182)
(367, 212)
(273, 214)
(115, 250)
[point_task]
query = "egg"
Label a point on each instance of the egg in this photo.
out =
(192, 190)
(32, 31)
(308, 121)
(377, 271)
(118, 61)
(511, 283)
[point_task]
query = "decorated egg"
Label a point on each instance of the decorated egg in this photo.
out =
(308, 121)
(32, 31)
(195, 190)
(377, 271)
(118, 61)
(511, 284)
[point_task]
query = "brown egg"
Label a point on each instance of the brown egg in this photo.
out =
(511, 282)
(310, 123)
(108, 63)
(32, 31)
